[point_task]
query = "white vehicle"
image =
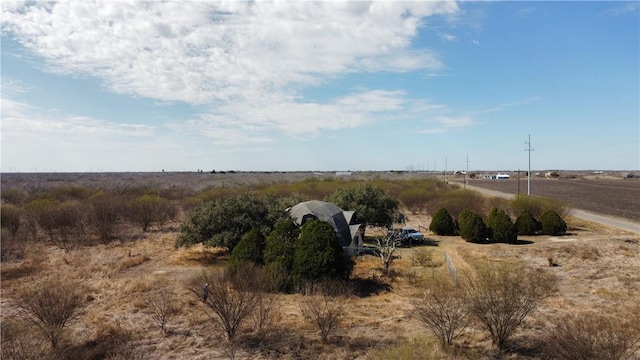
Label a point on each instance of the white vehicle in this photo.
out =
(407, 236)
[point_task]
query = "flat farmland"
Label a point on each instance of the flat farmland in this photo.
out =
(614, 197)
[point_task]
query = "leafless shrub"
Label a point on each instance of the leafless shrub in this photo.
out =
(459, 199)
(324, 307)
(147, 210)
(424, 257)
(265, 311)
(10, 218)
(442, 309)
(111, 341)
(162, 306)
(591, 336)
(49, 306)
(251, 277)
(11, 247)
(227, 306)
(106, 214)
(18, 342)
(68, 225)
(501, 295)
(13, 196)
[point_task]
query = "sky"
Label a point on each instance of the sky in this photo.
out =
(96, 86)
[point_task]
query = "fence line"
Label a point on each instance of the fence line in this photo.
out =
(452, 268)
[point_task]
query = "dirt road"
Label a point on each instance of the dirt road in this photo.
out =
(608, 221)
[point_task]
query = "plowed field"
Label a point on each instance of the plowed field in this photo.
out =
(618, 197)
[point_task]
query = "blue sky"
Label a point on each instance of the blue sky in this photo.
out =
(319, 86)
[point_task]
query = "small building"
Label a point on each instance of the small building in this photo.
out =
(349, 233)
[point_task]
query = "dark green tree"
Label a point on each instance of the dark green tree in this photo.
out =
(372, 205)
(552, 223)
(500, 227)
(317, 254)
(278, 253)
(527, 224)
(280, 244)
(223, 222)
(472, 227)
(442, 223)
(249, 249)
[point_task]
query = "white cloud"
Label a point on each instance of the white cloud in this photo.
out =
(237, 123)
(502, 107)
(200, 52)
(625, 8)
(446, 123)
(12, 86)
(20, 120)
(36, 139)
(448, 37)
(245, 63)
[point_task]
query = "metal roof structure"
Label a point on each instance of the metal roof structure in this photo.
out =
(348, 233)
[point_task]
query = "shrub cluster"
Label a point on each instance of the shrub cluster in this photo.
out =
(495, 297)
(294, 256)
(499, 228)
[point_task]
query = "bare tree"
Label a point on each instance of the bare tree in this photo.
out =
(106, 214)
(324, 307)
(162, 306)
(442, 309)
(229, 307)
(385, 250)
(50, 306)
(501, 295)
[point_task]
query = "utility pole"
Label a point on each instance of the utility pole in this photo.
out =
(466, 174)
(529, 149)
(445, 170)
(518, 183)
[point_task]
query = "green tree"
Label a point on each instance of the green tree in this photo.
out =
(500, 227)
(372, 205)
(552, 223)
(249, 249)
(224, 221)
(317, 254)
(442, 223)
(527, 224)
(278, 253)
(472, 227)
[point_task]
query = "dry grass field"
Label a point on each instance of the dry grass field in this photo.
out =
(597, 270)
